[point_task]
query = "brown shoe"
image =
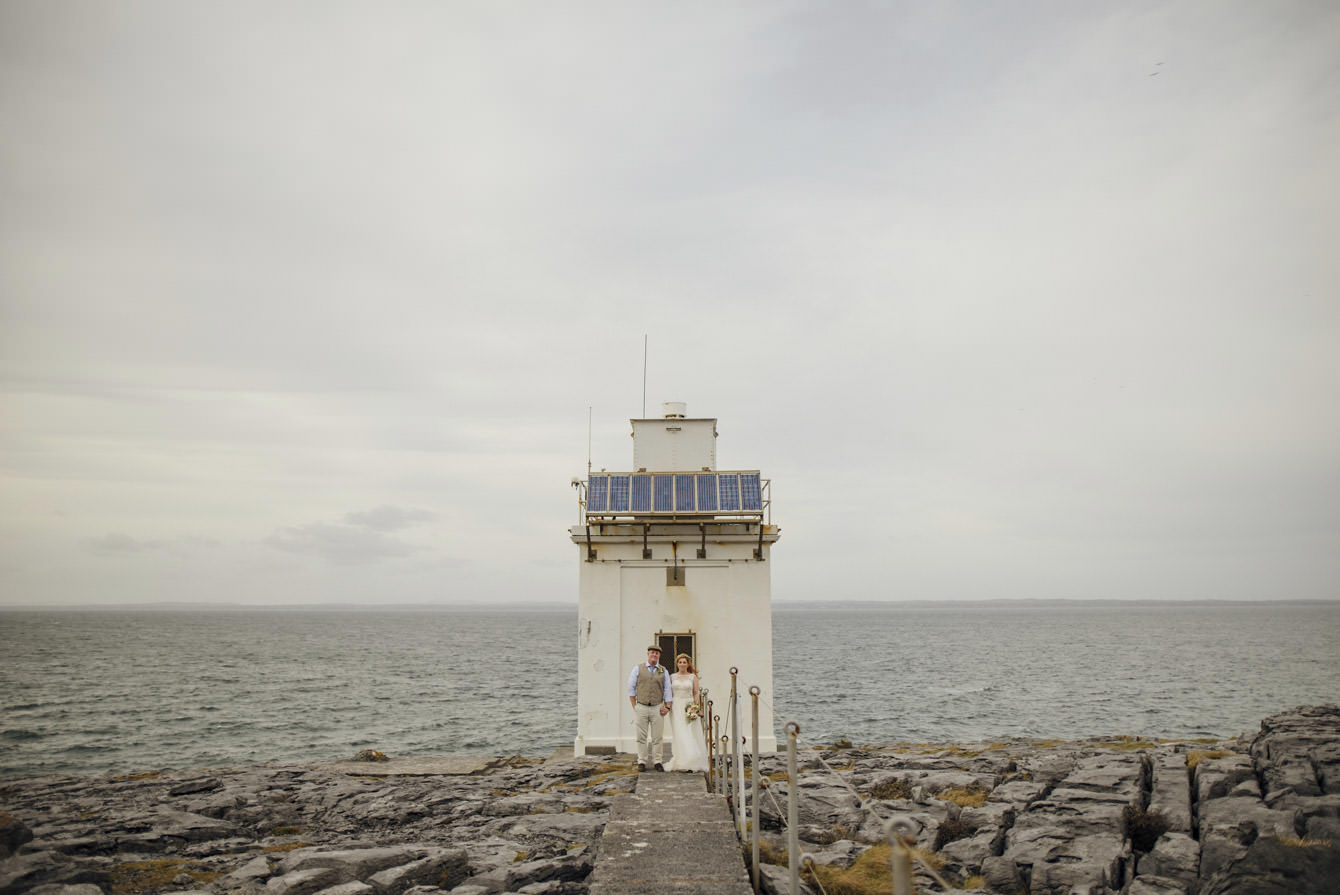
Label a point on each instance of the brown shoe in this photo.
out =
(641, 768)
(659, 766)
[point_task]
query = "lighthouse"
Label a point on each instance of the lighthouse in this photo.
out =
(672, 552)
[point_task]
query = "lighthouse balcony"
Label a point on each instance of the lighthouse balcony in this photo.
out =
(706, 494)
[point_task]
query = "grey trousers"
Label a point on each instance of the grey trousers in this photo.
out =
(650, 728)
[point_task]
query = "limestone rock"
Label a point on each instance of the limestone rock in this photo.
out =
(1053, 819)
(1175, 857)
(1229, 826)
(1271, 867)
(303, 882)
(775, 880)
(1002, 875)
(442, 868)
(354, 888)
(1170, 790)
(13, 834)
(195, 785)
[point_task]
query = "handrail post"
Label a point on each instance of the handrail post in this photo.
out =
(792, 807)
(738, 769)
(711, 748)
(725, 770)
(754, 793)
(900, 833)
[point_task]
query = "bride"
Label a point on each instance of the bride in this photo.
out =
(688, 751)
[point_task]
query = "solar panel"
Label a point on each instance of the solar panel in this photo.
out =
(597, 493)
(640, 501)
(751, 495)
(618, 494)
(684, 501)
(665, 493)
(688, 493)
(707, 493)
(729, 488)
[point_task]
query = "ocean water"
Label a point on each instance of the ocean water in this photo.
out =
(121, 691)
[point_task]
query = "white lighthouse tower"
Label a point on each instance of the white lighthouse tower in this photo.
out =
(673, 552)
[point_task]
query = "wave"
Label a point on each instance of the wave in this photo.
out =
(18, 734)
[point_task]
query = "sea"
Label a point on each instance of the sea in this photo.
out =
(134, 690)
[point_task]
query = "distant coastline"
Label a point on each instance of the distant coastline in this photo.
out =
(541, 606)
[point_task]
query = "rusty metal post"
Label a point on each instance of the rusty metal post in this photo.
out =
(754, 793)
(737, 769)
(792, 807)
(725, 768)
(709, 729)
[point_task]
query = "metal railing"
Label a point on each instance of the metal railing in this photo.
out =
(725, 775)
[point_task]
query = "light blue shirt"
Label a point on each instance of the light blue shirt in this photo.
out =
(632, 681)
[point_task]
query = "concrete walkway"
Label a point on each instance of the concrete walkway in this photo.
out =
(670, 837)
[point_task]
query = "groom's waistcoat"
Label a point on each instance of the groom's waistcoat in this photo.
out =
(650, 686)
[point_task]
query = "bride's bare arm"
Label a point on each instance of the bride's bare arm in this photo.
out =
(695, 689)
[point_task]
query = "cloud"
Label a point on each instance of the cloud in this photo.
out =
(389, 518)
(114, 543)
(971, 274)
(344, 544)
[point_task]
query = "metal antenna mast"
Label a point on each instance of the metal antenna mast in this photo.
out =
(644, 376)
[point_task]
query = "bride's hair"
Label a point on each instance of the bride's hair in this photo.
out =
(685, 657)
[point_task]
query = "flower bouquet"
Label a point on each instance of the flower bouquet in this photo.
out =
(693, 711)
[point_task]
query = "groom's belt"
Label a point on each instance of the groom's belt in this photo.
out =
(648, 703)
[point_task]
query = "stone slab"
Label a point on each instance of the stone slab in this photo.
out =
(422, 766)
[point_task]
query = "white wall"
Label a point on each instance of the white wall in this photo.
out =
(624, 602)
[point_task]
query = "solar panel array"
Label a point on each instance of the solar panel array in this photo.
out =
(671, 493)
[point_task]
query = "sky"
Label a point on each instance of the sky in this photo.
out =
(323, 302)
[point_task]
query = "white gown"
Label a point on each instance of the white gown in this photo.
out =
(688, 751)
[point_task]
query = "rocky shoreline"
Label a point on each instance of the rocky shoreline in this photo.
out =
(1256, 814)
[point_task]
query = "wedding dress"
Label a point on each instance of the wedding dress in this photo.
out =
(688, 751)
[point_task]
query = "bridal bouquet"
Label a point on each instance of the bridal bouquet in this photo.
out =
(693, 711)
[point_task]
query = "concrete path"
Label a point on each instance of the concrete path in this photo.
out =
(669, 837)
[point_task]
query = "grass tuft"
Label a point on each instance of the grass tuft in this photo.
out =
(967, 796)
(1196, 756)
(868, 875)
(894, 788)
(1304, 842)
(770, 854)
(1143, 827)
(136, 877)
(951, 830)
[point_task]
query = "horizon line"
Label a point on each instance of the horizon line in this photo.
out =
(545, 605)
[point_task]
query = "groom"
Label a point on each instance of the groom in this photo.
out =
(649, 695)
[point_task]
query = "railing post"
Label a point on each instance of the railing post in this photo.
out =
(738, 765)
(711, 748)
(792, 807)
(900, 833)
(754, 793)
(725, 769)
